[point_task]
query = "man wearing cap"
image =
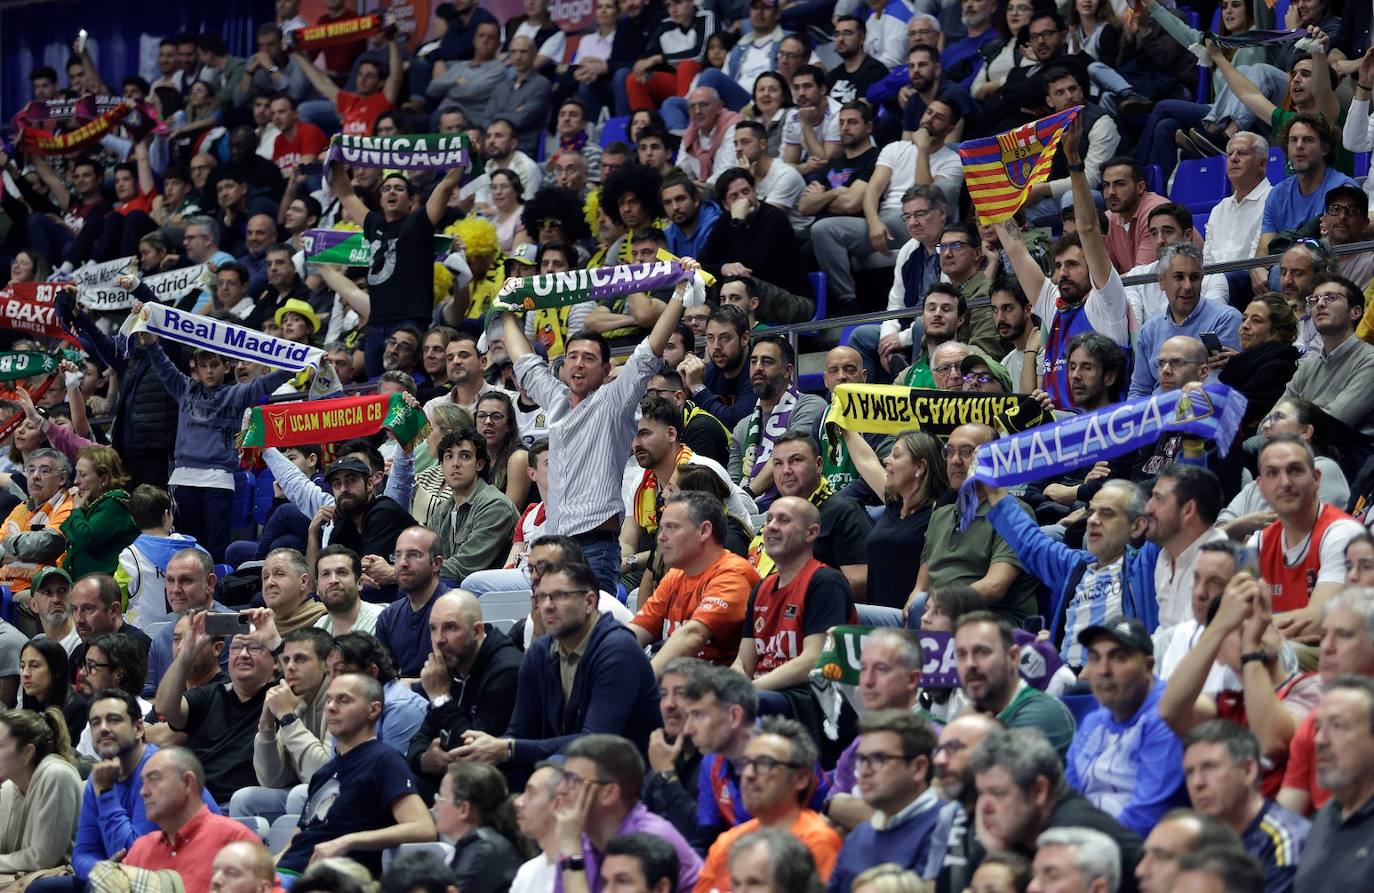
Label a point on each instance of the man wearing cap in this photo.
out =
(50, 601)
(401, 278)
(984, 376)
(1124, 758)
(282, 285)
(365, 519)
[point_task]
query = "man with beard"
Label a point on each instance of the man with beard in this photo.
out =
(954, 848)
(842, 542)
(690, 218)
(753, 238)
(114, 660)
(401, 351)
(777, 183)
(722, 388)
(671, 784)
(1335, 853)
(1129, 203)
(962, 58)
(1340, 378)
(219, 720)
(810, 134)
(1086, 293)
(658, 451)
(465, 367)
(1019, 328)
(702, 433)
(337, 572)
(260, 233)
(1186, 314)
(469, 678)
(357, 514)
(50, 598)
(404, 625)
(779, 408)
(291, 742)
(588, 675)
(697, 609)
(989, 663)
(112, 823)
(883, 347)
(400, 279)
(839, 190)
(925, 77)
(857, 70)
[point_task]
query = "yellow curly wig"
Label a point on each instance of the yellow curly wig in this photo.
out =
(478, 235)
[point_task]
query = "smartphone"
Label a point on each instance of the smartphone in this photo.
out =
(312, 169)
(222, 625)
(1211, 342)
(1033, 624)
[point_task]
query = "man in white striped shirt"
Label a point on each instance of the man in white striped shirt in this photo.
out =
(591, 424)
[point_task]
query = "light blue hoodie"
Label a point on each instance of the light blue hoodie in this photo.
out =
(142, 575)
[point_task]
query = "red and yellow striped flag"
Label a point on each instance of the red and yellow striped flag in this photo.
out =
(1000, 170)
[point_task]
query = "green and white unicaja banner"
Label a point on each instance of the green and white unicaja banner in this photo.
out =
(349, 248)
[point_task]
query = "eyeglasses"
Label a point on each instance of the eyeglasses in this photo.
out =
(878, 760)
(916, 215)
(399, 344)
(945, 368)
(965, 452)
(440, 798)
(40, 470)
(1326, 298)
(561, 595)
(924, 31)
(497, 417)
(765, 765)
(91, 666)
(1176, 363)
(951, 747)
(1044, 35)
(978, 377)
(956, 245)
(1338, 210)
(550, 223)
(252, 648)
(1277, 415)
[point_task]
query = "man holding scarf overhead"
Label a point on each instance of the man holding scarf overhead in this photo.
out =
(780, 408)
(591, 419)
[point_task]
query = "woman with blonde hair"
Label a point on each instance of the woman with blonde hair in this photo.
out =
(100, 526)
(888, 878)
(40, 795)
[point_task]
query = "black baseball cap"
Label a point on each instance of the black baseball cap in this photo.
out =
(1127, 630)
(348, 463)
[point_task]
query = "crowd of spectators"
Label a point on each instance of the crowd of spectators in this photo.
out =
(1165, 662)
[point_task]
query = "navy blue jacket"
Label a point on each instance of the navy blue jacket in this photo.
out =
(614, 693)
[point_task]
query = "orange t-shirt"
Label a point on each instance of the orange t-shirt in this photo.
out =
(717, 598)
(810, 828)
(358, 113)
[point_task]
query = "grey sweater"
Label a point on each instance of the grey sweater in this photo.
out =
(37, 828)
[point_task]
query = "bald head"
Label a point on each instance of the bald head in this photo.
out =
(242, 867)
(1182, 359)
(791, 529)
(805, 511)
(455, 629)
(843, 365)
(458, 603)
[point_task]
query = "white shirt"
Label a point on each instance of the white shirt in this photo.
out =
(536, 876)
(525, 168)
(885, 39)
(366, 621)
(1148, 301)
(829, 130)
(1107, 307)
(782, 187)
(553, 48)
(1174, 580)
(1233, 229)
(900, 157)
(1173, 642)
(758, 56)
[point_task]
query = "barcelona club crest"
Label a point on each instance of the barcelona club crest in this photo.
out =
(1021, 149)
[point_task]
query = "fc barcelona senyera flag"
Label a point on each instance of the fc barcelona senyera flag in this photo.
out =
(1000, 170)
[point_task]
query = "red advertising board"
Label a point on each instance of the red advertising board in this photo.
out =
(414, 18)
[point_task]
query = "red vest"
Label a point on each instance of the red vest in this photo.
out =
(1293, 585)
(1231, 705)
(778, 616)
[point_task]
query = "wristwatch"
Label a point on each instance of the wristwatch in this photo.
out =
(287, 720)
(1075, 168)
(1253, 656)
(573, 863)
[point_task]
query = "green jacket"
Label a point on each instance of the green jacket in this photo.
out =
(97, 533)
(475, 536)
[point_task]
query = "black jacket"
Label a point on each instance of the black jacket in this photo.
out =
(145, 415)
(482, 702)
(764, 242)
(484, 861)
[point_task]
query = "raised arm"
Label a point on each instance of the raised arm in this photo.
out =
(687, 290)
(438, 199)
(1321, 76)
(170, 700)
(146, 183)
(395, 73)
(1243, 88)
(318, 79)
(60, 195)
(1028, 272)
(1090, 234)
(342, 186)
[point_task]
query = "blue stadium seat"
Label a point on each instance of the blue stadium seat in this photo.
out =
(1200, 183)
(815, 381)
(243, 500)
(1277, 170)
(6, 604)
(1079, 705)
(1154, 179)
(1200, 222)
(1280, 13)
(223, 570)
(615, 129)
(1204, 85)
(262, 495)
